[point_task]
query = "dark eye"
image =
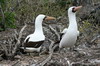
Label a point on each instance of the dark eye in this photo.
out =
(45, 17)
(73, 10)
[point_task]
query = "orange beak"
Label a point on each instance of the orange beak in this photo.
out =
(77, 8)
(50, 18)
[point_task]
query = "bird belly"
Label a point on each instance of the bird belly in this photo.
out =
(68, 40)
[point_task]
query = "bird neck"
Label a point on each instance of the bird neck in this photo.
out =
(72, 21)
(38, 26)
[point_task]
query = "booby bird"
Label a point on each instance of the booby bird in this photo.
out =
(34, 41)
(69, 35)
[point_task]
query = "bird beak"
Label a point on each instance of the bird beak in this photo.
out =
(77, 8)
(50, 18)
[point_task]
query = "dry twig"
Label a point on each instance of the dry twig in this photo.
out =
(53, 30)
(56, 33)
(19, 37)
(13, 44)
(51, 49)
(95, 38)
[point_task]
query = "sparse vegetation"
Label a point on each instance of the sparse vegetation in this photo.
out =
(16, 13)
(7, 18)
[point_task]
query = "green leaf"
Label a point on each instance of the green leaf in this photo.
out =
(2, 1)
(10, 20)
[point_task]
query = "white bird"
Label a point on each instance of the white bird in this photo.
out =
(34, 41)
(70, 34)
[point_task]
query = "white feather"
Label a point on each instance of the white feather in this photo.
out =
(38, 34)
(70, 36)
(29, 49)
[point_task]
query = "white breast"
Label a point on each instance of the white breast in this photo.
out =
(36, 37)
(69, 39)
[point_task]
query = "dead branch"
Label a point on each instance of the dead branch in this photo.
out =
(66, 59)
(95, 38)
(68, 62)
(15, 34)
(19, 37)
(16, 63)
(20, 33)
(53, 30)
(3, 47)
(51, 49)
(13, 44)
(56, 33)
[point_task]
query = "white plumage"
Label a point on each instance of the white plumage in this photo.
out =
(70, 35)
(34, 41)
(38, 34)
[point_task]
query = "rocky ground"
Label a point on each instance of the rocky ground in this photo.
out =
(85, 53)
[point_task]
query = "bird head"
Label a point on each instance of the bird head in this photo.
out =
(44, 17)
(73, 9)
